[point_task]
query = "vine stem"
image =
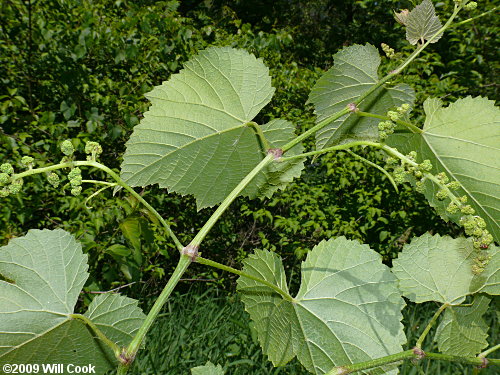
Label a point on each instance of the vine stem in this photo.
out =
(344, 146)
(488, 351)
(410, 354)
(195, 243)
(474, 18)
(128, 355)
(116, 177)
(383, 80)
(223, 267)
(387, 174)
(413, 128)
(429, 325)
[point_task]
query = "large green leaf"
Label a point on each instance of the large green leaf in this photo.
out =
(462, 140)
(435, 268)
(463, 331)
(422, 23)
(348, 308)
(195, 138)
(41, 276)
(354, 72)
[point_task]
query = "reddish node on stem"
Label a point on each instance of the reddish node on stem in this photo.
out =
(419, 353)
(484, 364)
(191, 251)
(352, 107)
(276, 152)
(125, 358)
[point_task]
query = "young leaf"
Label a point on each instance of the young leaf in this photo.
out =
(435, 268)
(422, 23)
(195, 138)
(354, 72)
(208, 369)
(41, 276)
(463, 141)
(463, 331)
(348, 308)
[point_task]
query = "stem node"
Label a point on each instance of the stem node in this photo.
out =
(275, 152)
(419, 353)
(191, 251)
(353, 107)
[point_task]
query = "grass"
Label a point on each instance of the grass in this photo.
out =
(211, 325)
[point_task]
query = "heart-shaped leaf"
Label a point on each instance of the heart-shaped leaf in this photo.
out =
(422, 23)
(348, 308)
(354, 72)
(196, 139)
(41, 276)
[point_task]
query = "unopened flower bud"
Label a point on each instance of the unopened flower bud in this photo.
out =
(441, 194)
(467, 210)
(27, 161)
(93, 148)
(425, 166)
(67, 147)
(53, 179)
(4, 178)
(470, 5)
(7, 168)
(15, 186)
(76, 190)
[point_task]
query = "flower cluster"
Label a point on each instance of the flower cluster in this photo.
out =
(386, 128)
(8, 183)
(94, 149)
(75, 180)
(470, 5)
(67, 147)
(389, 52)
(474, 226)
(27, 161)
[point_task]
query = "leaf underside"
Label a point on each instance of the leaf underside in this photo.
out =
(462, 140)
(435, 268)
(463, 331)
(46, 272)
(348, 308)
(354, 73)
(422, 23)
(195, 140)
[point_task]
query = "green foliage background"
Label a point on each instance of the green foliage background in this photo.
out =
(79, 69)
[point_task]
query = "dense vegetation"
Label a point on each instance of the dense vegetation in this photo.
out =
(79, 69)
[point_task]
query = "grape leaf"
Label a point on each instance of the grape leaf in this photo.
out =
(354, 72)
(104, 310)
(195, 138)
(422, 23)
(348, 308)
(41, 276)
(463, 331)
(463, 141)
(435, 268)
(208, 369)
